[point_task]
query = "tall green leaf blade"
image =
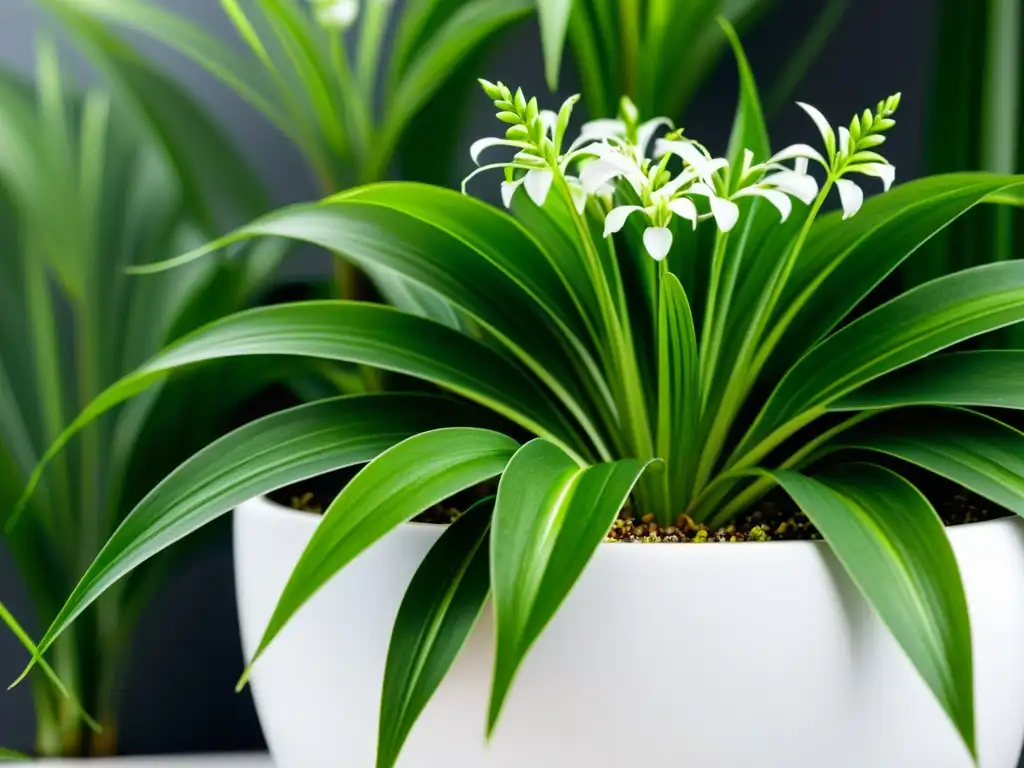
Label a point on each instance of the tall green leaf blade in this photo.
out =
(207, 161)
(177, 32)
(678, 390)
(894, 547)
(7, 618)
(438, 612)
(927, 319)
(346, 331)
(983, 378)
(10, 756)
(393, 488)
(553, 16)
(974, 451)
(262, 456)
(749, 130)
(474, 22)
(550, 517)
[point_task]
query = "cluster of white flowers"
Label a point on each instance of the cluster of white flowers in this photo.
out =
(609, 151)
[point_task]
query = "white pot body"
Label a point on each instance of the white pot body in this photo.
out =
(663, 656)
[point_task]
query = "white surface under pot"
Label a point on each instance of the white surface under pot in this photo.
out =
(713, 656)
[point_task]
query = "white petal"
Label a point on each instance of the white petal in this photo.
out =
(538, 183)
(658, 242)
(844, 140)
(852, 197)
(549, 120)
(726, 213)
(508, 191)
(483, 144)
(597, 173)
(605, 128)
(801, 186)
(684, 209)
(799, 152)
(800, 166)
(780, 200)
(683, 149)
(610, 166)
(647, 130)
(616, 218)
(674, 185)
(824, 127)
(883, 171)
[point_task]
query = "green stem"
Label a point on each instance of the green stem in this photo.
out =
(665, 400)
(808, 454)
(710, 331)
(622, 354)
(744, 373)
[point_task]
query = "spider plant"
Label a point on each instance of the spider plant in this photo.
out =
(664, 330)
(86, 192)
(976, 121)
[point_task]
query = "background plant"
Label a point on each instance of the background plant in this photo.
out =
(660, 53)
(976, 122)
(735, 360)
(85, 192)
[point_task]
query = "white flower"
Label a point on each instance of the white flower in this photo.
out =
(662, 195)
(848, 153)
(539, 176)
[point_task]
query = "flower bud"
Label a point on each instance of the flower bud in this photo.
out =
(628, 112)
(492, 90)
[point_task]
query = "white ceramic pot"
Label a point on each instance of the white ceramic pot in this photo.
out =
(715, 656)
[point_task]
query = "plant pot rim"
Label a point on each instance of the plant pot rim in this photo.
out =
(262, 506)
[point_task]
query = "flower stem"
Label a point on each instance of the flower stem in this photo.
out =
(710, 330)
(744, 373)
(622, 353)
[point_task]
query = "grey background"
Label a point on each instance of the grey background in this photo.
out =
(178, 696)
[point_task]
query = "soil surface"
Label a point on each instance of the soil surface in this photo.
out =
(774, 518)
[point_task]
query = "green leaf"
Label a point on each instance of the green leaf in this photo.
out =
(457, 39)
(262, 456)
(549, 519)
(749, 130)
(347, 331)
(972, 450)
(843, 261)
(894, 547)
(378, 237)
(9, 755)
(7, 618)
(393, 488)
(498, 238)
(553, 17)
(208, 162)
(438, 612)
(678, 391)
(927, 319)
(983, 378)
